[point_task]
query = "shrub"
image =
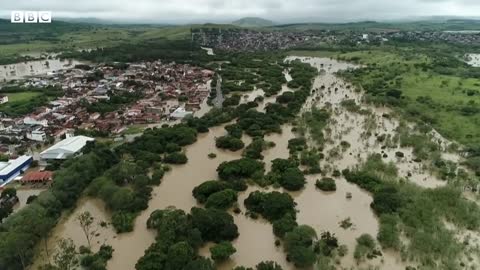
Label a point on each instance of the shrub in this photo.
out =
(175, 158)
(326, 184)
(222, 199)
(222, 251)
(230, 143)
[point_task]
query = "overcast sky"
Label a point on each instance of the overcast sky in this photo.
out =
(185, 11)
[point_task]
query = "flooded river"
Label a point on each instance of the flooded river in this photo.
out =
(323, 211)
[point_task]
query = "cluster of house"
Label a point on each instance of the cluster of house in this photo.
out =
(251, 40)
(165, 91)
(247, 39)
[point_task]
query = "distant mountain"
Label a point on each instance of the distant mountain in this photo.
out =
(85, 20)
(253, 22)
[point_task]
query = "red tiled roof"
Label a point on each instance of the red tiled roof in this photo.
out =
(38, 176)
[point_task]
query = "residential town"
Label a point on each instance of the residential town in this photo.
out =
(104, 99)
(248, 40)
(253, 40)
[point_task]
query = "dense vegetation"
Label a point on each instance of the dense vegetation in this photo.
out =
(326, 184)
(8, 198)
(240, 169)
(286, 173)
(22, 231)
(430, 85)
(416, 213)
(148, 50)
(126, 188)
(272, 206)
(229, 142)
(179, 235)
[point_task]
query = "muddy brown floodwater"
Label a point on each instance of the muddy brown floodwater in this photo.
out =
(33, 68)
(23, 195)
(176, 190)
(323, 211)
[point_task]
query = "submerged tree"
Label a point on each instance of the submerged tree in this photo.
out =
(65, 257)
(86, 222)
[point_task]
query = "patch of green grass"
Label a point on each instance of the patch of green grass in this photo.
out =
(134, 129)
(22, 96)
(97, 37)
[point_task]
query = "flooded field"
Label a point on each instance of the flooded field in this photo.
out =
(33, 68)
(23, 195)
(321, 210)
(473, 59)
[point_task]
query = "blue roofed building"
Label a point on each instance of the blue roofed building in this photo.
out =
(13, 168)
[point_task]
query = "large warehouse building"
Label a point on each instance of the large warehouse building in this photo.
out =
(65, 148)
(13, 168)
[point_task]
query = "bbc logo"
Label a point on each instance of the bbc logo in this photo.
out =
(31, 17)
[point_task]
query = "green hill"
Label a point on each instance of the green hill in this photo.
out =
(253, 22)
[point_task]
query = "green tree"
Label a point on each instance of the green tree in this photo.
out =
(292, 179)
(200, 263)
(273, 205)
(269, 265)
(214, 225)
(222, 200)
(179, 255)
(9, 193)
(299, 246)
(65, 257)
(175, 158)
(86, 220)
(205, 189)
(239, 169)
(222, 251)
(284, 225)
(326, 184)
(229, 142)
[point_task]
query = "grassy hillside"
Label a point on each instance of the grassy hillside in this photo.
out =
(253, 22)
(60, 36)
(372, 26)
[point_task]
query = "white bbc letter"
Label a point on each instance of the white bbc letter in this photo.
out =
(31, 17)
(16, 17)
(44, 16)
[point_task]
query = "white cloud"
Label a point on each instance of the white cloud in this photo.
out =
(226, 10)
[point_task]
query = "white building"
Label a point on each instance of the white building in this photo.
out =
(180, 112)
(13, 168)
(37, 135)
(3, 99)
(65, 148)
(34, 122)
